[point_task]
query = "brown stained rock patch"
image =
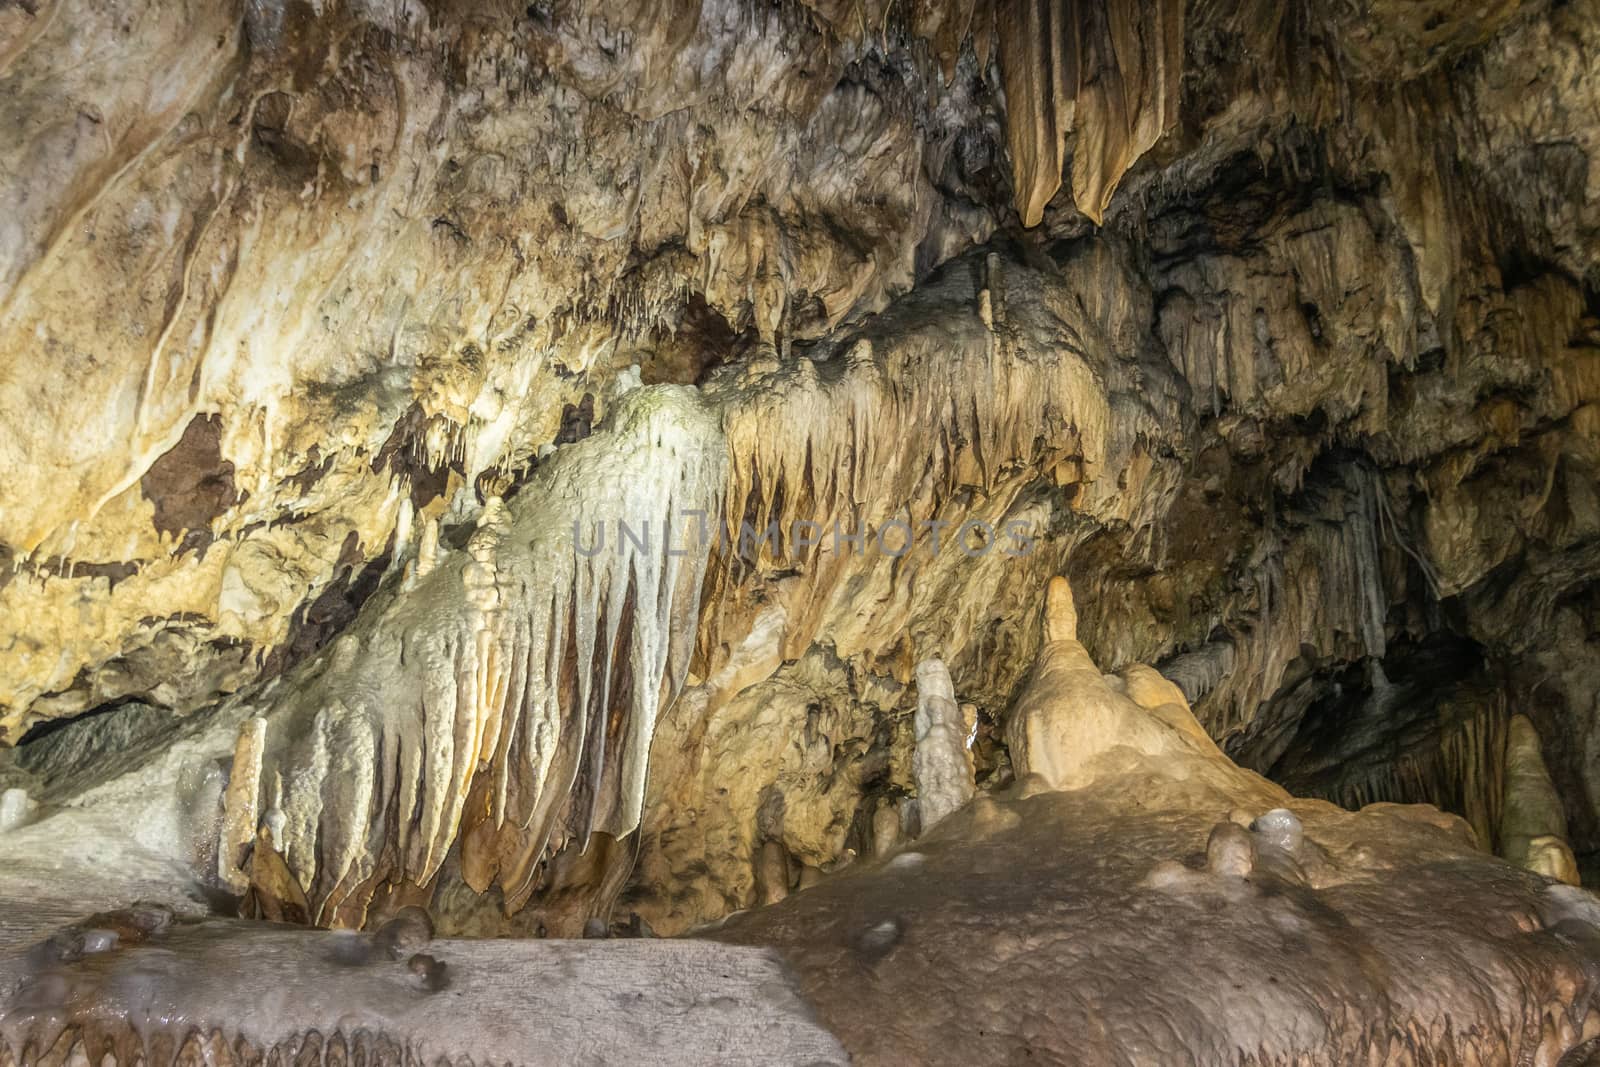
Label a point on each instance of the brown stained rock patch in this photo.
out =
(191, 484)
(319, 619)
(577, 421)
(404, 453)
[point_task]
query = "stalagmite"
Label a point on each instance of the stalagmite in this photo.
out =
(428, 547)
(241, 804)
(991, 294)
(15, 808)
(1281, 829)
(885, 828)
(772, 872)
(1533, 826)
(1084, 717)
(942, 763)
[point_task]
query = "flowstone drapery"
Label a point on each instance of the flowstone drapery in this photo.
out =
(504, 694)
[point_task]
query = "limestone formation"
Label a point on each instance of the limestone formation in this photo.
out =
(451, 715)
(575, 469)
(941, 763)
(1533, 827)
(1077, 715)
(1120, 889)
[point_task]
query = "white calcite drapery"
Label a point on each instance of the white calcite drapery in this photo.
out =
(509, 692)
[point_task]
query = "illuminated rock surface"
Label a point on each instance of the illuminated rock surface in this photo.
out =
(583, 468)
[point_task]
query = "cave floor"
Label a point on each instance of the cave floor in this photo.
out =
(1120, 926)
(1140, 921)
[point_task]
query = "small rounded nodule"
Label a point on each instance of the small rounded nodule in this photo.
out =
(408, 931)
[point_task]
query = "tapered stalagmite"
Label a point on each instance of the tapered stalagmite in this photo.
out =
(1533, 825)
(941, 763)
(241, 804)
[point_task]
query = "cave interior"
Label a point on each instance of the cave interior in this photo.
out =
(799, 531)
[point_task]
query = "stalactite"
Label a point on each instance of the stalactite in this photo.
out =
(1360, 541)
(1321, 584)
(1108, 72)
(819, 442)
(1463, 771)
(1197, 673)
